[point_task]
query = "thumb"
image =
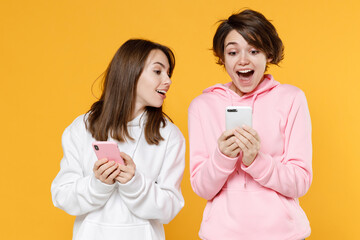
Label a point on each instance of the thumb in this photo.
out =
(127, 159)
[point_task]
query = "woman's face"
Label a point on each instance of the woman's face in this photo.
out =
(244, 63)
(154, 82)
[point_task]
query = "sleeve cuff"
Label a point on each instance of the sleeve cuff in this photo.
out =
(260, 167)
(99, 187)
(223, 162)
(134, 187)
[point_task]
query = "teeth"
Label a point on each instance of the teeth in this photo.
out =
(245, 71)
(161, 91)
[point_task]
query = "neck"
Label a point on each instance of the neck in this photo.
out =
(137, 112)
(236, 90)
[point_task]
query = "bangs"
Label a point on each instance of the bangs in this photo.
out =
(254, 38)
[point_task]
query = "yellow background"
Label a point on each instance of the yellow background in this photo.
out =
(52, 52)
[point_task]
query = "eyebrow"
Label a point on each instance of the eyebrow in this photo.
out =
(159, 64)
(231, 43)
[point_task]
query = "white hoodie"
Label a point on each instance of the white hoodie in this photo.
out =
(135, 210)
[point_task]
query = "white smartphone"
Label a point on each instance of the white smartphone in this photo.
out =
(236, 116)
(109, 150)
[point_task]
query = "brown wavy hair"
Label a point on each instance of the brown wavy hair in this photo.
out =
(112, 112)
(255, 29)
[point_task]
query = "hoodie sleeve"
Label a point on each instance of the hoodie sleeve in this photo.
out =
(291, 175)
(160, 199)
(209, 168)
(71, 191)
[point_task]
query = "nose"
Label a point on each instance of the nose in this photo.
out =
(243, 59)
(167, 81)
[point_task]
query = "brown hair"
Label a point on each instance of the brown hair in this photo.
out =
(112, 112)
(255, 29)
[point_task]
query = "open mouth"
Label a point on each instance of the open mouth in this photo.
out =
(245, 73)
(162, 92)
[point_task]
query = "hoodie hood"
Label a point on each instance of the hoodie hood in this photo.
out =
(138, 121)
(224, 91)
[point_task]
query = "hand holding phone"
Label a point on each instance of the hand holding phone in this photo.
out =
(106, 171)
(109, 150)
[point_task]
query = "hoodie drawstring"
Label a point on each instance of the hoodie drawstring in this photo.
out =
(253, 102)
(252, 108)
(253, 99)
(141, 126)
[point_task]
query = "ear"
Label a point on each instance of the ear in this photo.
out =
(269, 60)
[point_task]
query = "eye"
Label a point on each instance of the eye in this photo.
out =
(254, 52)
(157, 72)
(232, 53)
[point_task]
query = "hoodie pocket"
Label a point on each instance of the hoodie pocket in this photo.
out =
(90, 230)
(259, 213)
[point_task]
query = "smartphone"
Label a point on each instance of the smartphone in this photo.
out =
(109, 150)
(236, 116)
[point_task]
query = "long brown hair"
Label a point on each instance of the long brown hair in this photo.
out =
(112, 112)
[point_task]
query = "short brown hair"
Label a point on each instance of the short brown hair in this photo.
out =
(112, 112)
(255, 29)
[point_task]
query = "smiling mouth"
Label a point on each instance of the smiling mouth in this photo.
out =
(162, 92)
(245, 73)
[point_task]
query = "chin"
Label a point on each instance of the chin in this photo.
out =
(156, 105)
(246, 90)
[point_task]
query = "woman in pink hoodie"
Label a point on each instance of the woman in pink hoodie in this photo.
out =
(251, 177)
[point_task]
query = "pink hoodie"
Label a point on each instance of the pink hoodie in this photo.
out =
(260, 201)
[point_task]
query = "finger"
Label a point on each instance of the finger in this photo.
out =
(252, 132)
(103, 176)
(114, 174)
(125, 175)
(121, 179)
(130, 170)
(127, 159)
(108, 171)
(243, 139)
(247, 136)
(241, 145)
(225, 135)
(237, 151)
(230, 141)
(233, 147)
(105, 166)
(100, 162)
(123, 168)
(121, 174)
(230, 150)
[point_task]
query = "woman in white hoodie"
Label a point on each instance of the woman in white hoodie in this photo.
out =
(134, 200)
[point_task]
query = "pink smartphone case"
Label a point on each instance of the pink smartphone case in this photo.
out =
(109, 150)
